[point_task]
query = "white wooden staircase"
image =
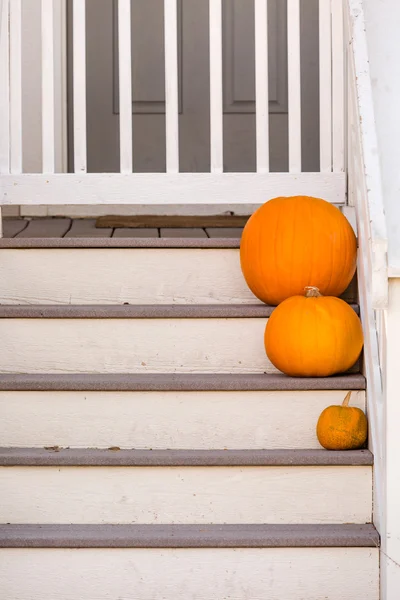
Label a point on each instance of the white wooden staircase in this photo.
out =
(149, 448)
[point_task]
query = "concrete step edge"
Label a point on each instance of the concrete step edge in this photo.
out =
(188, 536)
(139, 311)
(176, 382)
(115, 457)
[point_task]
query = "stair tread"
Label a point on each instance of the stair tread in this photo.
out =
(95, 457)
(137, 311)
(176, 382)
(187, 536)
(105, 242)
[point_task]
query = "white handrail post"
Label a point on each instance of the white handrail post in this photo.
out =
(48, 138)
(171, 85)
(337, 86)
(294, 85)
(262, 104)
(125, 85)
(79, 85)
(216, 89)
(325, 86)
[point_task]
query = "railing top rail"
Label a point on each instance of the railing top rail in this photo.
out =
(370, 154)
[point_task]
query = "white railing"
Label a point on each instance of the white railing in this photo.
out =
(129, 187)
(365, 194)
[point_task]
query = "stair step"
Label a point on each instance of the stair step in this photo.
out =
(105, 242)
(90, 457)
(138, 339)
(189, 536)
(139, 382)
(150, 311)
(120, 494)
(168, 411)
(133, 271)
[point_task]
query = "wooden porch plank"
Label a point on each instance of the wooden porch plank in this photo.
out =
(11, 227)
(182, 232)
(143, 232)
(224, 232)
(45, 228)
(87, 228)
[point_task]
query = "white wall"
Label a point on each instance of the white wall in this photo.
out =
(383, 26)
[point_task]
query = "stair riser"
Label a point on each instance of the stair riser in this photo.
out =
(160, 420)
(117, 276)
(104, 574)
(186, 494)
(134, 346)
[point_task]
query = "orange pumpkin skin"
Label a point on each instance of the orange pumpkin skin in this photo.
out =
(342, 428)
(295, 242)
(313, 336)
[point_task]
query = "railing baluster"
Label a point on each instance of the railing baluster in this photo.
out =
(4, 94)
(216, 90)
(325, 86)
(15, 87)
(171, 85)
(337, 86)
(294, 85)
(125, 85)
(79, 85)
(48, 137)
(262, 107)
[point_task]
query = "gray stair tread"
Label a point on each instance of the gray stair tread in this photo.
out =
(176, 382)
(126, 232)
(93, 457)
(12, 227)
(115, 242)
(51, 228)
(188, 536)
(82, 228)
(179, 232)
(138, 311)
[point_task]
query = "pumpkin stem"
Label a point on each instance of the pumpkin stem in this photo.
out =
(347, 399)
(312, 292)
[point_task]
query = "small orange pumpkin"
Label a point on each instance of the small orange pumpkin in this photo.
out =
(295, 242)
(342, 427)
(313, 336)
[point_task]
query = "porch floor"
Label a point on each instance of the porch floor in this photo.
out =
(86, 228)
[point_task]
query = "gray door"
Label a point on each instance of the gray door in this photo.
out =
(148, 85)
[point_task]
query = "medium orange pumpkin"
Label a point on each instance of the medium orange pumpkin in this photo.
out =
(342, 427)
(295, 242)
(313, 336)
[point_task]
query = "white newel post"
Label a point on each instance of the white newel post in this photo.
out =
(390, 558)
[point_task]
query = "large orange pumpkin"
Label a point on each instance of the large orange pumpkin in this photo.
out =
(290, 243)
(313, 336)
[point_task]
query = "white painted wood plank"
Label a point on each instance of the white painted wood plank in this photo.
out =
(79, 85)
(206, 573)
(161, 420)
(216, 87)
(262, 99)
(48, 97)
(164, 188)
(337, 87)
(125, 85)
(186, 495)
(325, 86)
(294, 85)
(134, 346)
(171, 85)
(15, 86)
(4, 88)
(101, 276)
